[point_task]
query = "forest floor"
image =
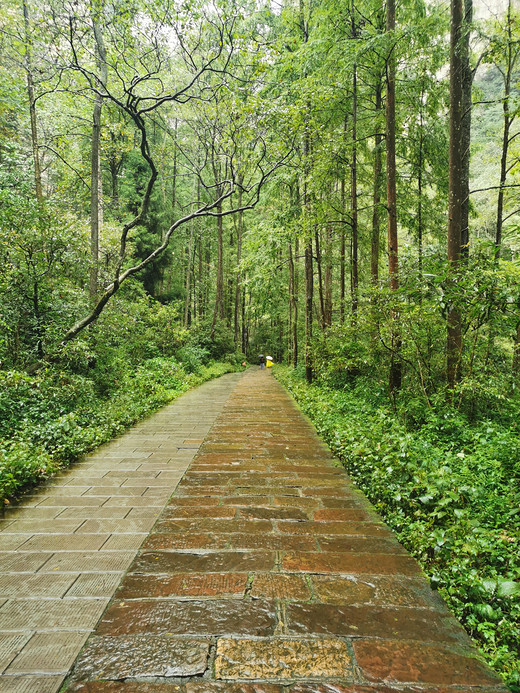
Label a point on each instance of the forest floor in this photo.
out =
(265, 571)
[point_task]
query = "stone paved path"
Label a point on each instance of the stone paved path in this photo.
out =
(64, 550)
(267, 572)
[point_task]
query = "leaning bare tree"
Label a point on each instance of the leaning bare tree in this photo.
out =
(150, 67)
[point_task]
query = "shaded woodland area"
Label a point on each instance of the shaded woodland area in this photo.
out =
(188, 184)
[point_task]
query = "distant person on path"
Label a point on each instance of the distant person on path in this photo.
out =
(269, 361)
(261, 358)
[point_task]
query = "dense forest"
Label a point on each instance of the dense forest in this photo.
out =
(184, 185)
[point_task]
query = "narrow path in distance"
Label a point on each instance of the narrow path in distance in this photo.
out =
(269, 572)
(64, 549)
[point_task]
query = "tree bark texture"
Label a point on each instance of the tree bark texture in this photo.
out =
(391, 201)
(456, 192)
(32, 104)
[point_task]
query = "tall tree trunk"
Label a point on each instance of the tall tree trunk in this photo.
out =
(391, 201)
(420, 191)
(95, 179)
(353, 195)
(238, 280)
(328, 278)
(32, 104)
(342, 255)
(309, 290)
(467, 85)
(456, 192)
(293, 309)
(317, 243)
(507, 121)
(218, 313)
(374, 245)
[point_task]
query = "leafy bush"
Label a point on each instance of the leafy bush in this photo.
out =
(50, 419)
(445, 489)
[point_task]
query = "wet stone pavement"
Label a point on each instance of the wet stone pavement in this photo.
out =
(265, 572)
(268, 572)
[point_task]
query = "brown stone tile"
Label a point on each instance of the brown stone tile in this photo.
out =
(194, 512)
(177, 617)
(355, 514)
(366, 529)
(273, 514)
(378, 564)
(142, 656)
(205, 525)
(353, 544)
(180, 562)
(276, 586)
(401, 662)
(165, 542)
(275, 542)
(187, 585)
(281, 658)
(373, 621)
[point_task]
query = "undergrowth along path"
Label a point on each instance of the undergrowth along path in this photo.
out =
(268, 571)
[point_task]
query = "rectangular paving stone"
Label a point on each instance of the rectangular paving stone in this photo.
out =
(276, 542)
(187, 585)
(378, 564)
(10, 646)
(282, 659)
(94, 585)
(177, 617)
(401, 662)
(49, 614)
(128, 525)
(123, 542)
(373, 621)
(89, 562)
(178, 562)
(48, 653)
(30, 684)
(185, 541)
(40, 584)
(92, 501)
(66, 542)
(12, 562)
(10, 542)
(356, 544)
(204, 525)
(366, 529)
(88, 513)
(42, 526)
(276, 586)
(387, 590)
(116, 658)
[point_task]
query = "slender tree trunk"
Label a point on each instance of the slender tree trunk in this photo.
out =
(467, 86)
(293, 308)
(353, 198)
(32, 104)
(328, 278)
(456, 192)
(391, 201)
(516, 352)
(374, 246)
(420, 191)
(507, 121)
(219, 296)
(317, 245)
(95, 179)
(238, 281)
(174, 172)
(342, 256)
(309, 290)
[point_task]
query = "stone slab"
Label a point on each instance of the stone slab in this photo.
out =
(30, 684)
(111, 658)
(282, 659)
(48, 653)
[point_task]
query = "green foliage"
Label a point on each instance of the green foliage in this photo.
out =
(50, 419)
(449, 489)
